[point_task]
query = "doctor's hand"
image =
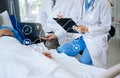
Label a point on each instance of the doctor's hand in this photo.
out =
(80, 28)
(6, 32)
(50, 37)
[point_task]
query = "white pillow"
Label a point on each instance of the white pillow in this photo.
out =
(5, 19)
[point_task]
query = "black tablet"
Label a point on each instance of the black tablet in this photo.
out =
(66, 23)
(33, 32)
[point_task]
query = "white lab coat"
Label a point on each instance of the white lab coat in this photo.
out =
(47, 13)
(98, 21)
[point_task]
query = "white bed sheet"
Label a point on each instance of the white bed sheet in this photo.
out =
(19, 61)
(71, 64)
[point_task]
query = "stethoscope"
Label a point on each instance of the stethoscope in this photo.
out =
(82, 8)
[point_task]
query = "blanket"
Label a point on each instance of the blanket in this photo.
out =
(20, 61)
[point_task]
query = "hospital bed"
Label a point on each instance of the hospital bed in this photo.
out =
(20, 61)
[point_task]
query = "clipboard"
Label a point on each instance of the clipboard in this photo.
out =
(66, 24)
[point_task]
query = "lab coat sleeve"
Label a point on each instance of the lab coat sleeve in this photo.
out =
(105, 19)
(60, 33)
(42, 16)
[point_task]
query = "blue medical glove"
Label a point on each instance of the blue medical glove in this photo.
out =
(72, 48)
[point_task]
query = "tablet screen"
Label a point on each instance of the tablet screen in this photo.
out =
(66, 23)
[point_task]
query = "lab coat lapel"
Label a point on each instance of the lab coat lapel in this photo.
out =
(88, 11)
(57, 4)
(49, 7)
(62, 9)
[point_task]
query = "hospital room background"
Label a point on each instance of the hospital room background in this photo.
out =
(28, 10)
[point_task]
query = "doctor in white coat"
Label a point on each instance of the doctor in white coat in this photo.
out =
(94, 22)
(50, 9)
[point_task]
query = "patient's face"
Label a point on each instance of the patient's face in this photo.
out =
(6, 32)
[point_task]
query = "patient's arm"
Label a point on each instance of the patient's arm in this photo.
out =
(6, 32)
(47, 54)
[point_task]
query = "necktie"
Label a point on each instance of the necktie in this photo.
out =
(87, 5)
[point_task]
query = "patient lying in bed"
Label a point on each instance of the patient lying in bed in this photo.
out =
(20, 61)
(7, 31)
